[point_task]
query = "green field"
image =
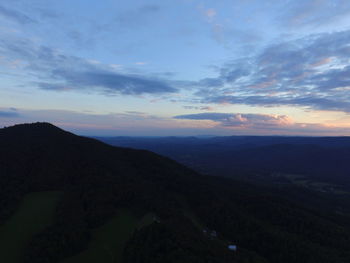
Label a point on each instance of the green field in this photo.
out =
(108, 241)
(34, 214)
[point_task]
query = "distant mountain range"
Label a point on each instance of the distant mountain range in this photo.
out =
(66, 198)
(322, 158)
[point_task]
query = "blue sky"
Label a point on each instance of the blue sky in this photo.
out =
(177, 67)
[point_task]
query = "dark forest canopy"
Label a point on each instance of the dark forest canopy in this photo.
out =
(98, 182)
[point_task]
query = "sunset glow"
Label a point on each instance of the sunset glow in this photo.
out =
(182, 67)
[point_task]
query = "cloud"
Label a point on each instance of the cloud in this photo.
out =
(107, 81)
(205, 108)
(59, 72)
(255, 121)
(311, 101)
(312, 72)
(130, 123)
(264, 124)
(9, 113)
(210, 13)
(137, 17)
(210, 82)
(223, 31)
(133, 123)
(314, 12)
(149, 9)
(15, 15)
(48, 13)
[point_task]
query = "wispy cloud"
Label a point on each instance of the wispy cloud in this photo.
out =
(314, 12)
(9, 113)
(137, 17)
(15, 15)
(241, 120)
(131, 123)
(57, 71)
(224, 32)
(263, 124)
(311, 72)
(203, 108)
(209, 13)
(108, 81)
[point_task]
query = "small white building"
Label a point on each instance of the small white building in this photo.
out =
(232, 247)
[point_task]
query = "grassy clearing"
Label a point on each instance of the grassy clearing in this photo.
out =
(34, 214)
(109, 240)
(146, 220)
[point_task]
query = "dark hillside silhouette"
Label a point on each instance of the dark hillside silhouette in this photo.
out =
(98, 182)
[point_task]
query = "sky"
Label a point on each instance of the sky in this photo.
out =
(177, 67)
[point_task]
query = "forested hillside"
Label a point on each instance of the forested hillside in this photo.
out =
(111, 204)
